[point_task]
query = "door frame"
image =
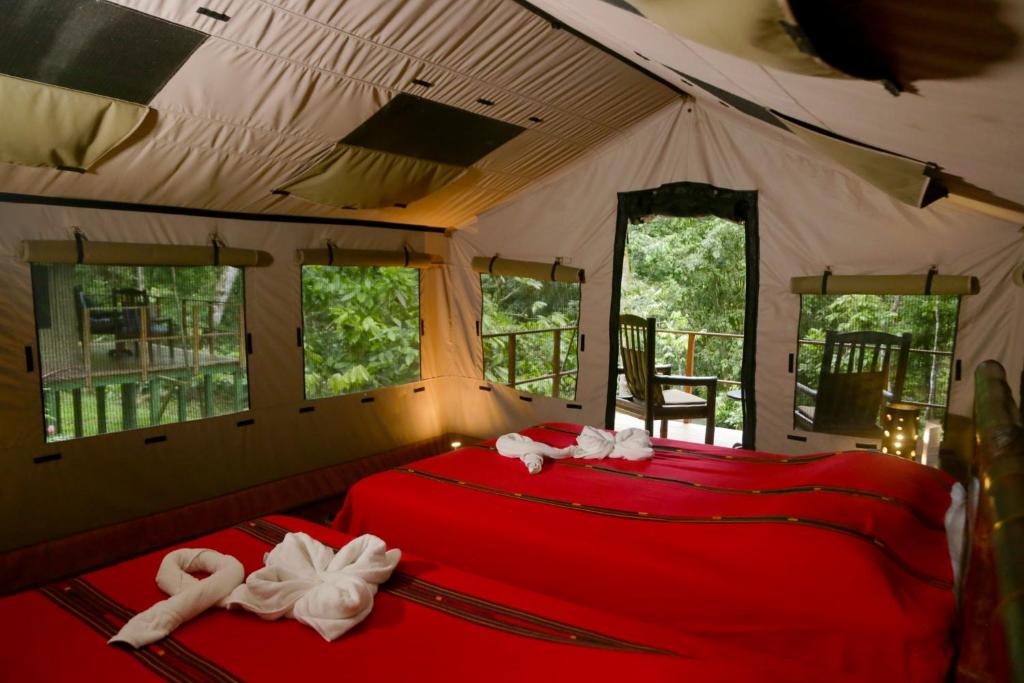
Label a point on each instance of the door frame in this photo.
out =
(685, 200)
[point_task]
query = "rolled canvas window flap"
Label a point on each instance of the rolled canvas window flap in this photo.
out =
(752, 29)
(132, 254)
(901, 178)
(366, 258)
(352, 177)
(45, 125)
(886, 284)
(531, 269)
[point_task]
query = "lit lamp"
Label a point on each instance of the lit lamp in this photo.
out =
(899, 429)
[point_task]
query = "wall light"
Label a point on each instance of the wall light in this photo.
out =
(899, 429)
(456, 444)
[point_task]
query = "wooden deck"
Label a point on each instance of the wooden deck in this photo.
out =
(106, 368)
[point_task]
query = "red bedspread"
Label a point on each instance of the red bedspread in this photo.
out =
(836, 562)
(429, 623)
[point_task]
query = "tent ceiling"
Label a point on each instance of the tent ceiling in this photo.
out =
(961, 64)
(277, 84)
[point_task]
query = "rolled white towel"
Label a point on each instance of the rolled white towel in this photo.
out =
(305, 580)
(629, 444)
(531, 452)
(189, 596)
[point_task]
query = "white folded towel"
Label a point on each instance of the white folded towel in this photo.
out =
(189, 596)
(305, 580)
(629, 444)
(531, 452)
(592, 444)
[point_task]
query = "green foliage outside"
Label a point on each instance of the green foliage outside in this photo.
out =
(513, 304)
(360, 327)
(690, 274)
(932, 321)
(178, 297)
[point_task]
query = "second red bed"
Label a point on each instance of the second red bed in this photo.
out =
(836, 562)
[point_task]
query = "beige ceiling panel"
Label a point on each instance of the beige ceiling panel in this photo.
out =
(44, 125)
(227, 83)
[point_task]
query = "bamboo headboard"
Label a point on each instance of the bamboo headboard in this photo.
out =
(1000, 466)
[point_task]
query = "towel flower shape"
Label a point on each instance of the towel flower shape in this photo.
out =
(592, 444)
(306, 580)
(628, 444)
(189, 596)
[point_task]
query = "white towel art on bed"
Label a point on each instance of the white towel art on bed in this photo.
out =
(531, 452)
(592, 444)
(629, 444)
(189, 596)
(306, 580)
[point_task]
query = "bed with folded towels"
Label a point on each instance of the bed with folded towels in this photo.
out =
(837, 562)
(426, 621)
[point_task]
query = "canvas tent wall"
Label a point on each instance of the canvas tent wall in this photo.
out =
(253, 102)
(813, 214)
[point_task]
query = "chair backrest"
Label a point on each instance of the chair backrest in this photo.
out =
(856, 368)
(636, 342)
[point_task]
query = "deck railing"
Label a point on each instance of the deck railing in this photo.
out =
(512, 354)
(688, 367)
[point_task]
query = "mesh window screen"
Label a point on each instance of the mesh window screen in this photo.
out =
(125, 347)
(361, 328)
(931, 321)
(529, 333)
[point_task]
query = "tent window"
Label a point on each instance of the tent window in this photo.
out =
(529, 333)
(847, 397)
(361, 328)
(126, 347)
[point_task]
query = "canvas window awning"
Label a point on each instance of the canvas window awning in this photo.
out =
(46, 125)
(83, 251)
(332, 256)
(886, 284)
(554, 271)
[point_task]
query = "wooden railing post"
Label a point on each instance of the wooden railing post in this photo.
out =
(241, 337)
(691, 338)
(556, 363)
(209, 327)
(512, 359)
(196, 339)
(144, 341)
(87, 346)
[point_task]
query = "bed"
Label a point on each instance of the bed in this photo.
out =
(429, 622)
(837, 562)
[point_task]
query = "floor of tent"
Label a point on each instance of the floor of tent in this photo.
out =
(692, 431)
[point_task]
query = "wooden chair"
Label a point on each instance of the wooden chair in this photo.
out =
(649, 398)
(854, 378)
(131, 303)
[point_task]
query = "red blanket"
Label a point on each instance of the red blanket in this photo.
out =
(836, 562)
(429, 623)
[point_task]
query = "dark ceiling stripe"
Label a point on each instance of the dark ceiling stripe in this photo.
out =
(210, 213)
(554, 21)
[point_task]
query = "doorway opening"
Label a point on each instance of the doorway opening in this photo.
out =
(686, 258)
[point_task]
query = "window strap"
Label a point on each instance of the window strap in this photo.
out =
(932, 272)
(79, 246)
(405, 248)
(490, 266)
(824, 280)
(330, 253)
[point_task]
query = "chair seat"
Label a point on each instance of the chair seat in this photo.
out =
(807, 411)
(676, 397)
